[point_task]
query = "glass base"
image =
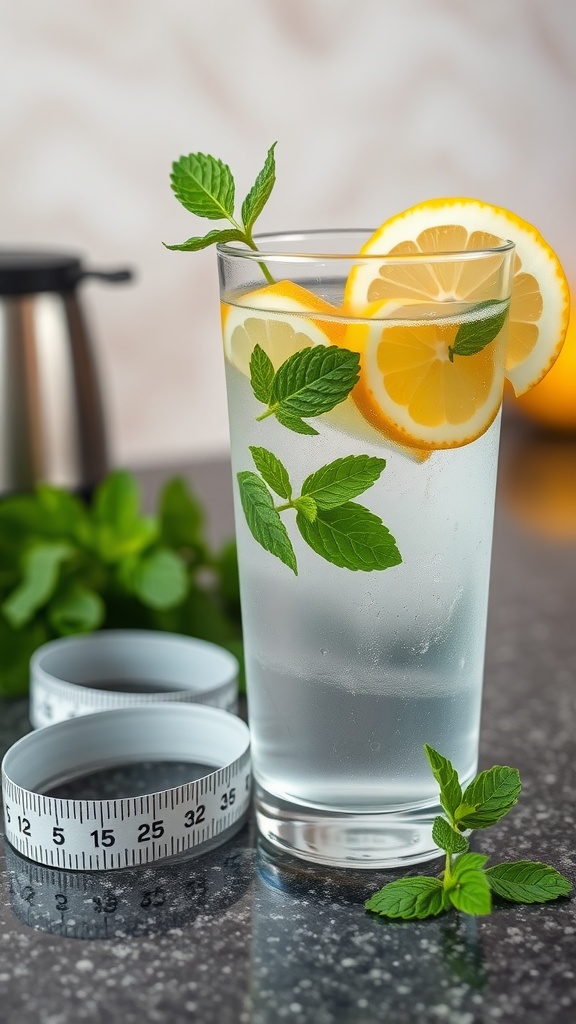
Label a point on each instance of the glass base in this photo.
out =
(345, 840)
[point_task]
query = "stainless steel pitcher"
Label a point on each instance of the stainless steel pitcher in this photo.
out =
(52, 426)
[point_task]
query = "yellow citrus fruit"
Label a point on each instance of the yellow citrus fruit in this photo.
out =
(409, 384)
(411, 390)
(280, 318)
(552, 403)
(283, 327)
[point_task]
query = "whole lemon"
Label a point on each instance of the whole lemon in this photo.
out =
(552, 402)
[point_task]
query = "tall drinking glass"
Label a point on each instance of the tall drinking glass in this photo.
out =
(364, 397)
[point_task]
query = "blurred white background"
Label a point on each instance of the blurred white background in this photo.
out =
(376, 105)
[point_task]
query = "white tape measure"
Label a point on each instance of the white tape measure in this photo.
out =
(124, 668)
(97, 835)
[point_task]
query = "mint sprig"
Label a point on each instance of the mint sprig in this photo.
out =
(309, 383)
(473, 335)
(205, 187)
(339, 530)
(466, 883)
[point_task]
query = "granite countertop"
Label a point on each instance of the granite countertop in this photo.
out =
(241, 934)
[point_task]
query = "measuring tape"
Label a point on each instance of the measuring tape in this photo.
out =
(98, 835)
(123, 668)
(82, 905)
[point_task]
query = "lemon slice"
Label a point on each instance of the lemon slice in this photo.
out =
(252, 320)
(278, 318)
(540, 299)
(409, 388)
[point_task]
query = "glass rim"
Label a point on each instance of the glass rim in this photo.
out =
(239, 250)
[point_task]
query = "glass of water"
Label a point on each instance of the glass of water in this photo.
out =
(364, 401)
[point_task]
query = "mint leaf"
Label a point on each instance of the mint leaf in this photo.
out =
(272, 471)
(474, 335)
(204, 186)
(159, 579)
(447, 778)
(263, 520)
(351, 537)
(77, 610)
(40, 574)
(182, 520)
(198, 242)
(448, 838)
(259, 194)
(343, 479)
(489, 797)
(526, 881)
(119, 529)
(261, 374)
(314, 380)
(409, 898)
(307, 506)
(467, 887)
(294, 423)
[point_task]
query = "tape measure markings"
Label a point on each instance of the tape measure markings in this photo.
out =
(144, 828)
(69, 676)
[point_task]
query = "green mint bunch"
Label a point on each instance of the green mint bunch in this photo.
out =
(69, 567)
(466, 884)
(205, 186)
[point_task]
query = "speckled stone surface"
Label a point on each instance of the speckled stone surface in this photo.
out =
(241, 935)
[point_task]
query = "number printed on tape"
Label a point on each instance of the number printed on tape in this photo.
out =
(101, 834)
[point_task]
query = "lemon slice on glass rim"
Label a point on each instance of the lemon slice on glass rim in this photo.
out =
(405, 384)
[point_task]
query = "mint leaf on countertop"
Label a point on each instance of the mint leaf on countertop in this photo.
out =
(447, 778)
(409, 898)
(466, 883)
(527, 881)
(488, 798)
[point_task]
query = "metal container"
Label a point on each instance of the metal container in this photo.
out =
(52, 425)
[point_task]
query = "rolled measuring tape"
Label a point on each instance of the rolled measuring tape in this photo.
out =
(128, 830)
(104, 705)
(79, 675)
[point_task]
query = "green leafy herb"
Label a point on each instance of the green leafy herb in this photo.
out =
(261, 374)
(263, 519)
(447, 778)
(489, 797)
(467, 886)
(310, 382)
(466, 883)
(409, 898)
(475, 334)
(205, 187)
(343, 479)
(340, 531)
(272, 471)
(71, 567)
(448, 838)
(350, 536)
(525, 881)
